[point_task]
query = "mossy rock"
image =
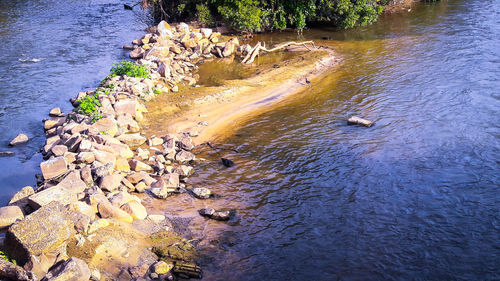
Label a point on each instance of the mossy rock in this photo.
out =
(170, 246)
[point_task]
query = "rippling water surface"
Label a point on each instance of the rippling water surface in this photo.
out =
(51, 50)
(415, 197)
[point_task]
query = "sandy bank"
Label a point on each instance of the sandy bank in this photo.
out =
(217, 111)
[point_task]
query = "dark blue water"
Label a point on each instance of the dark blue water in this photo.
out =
(51, 50)
(416, 197)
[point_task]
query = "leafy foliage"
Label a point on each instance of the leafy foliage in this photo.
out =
(130, 69)
(4, 256)
(89, 105)
(256, 15)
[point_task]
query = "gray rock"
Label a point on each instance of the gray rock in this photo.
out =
(73, 269)
(221, 215)
(206, 212)
(186, 143)
(65, 192)
(13, 272)
(19, 139)
(184, 156)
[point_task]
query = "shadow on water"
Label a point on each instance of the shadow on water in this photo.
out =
(413, 198)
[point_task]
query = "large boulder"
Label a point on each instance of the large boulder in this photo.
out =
(54, 167)
(65, 192)
(9, 215)
(43, 231)
(73, 269)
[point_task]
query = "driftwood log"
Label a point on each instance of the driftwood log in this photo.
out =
(354, 120)
(259, 47)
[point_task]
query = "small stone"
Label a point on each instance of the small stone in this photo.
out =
(155, 141)
(133, 140)
(184, 156)
(103, 170)
(86, 174)
(111, 182)
(59, 150)
(54, 167)
(138, 166)
(206, 212)
(201, 192)
(206, 32)
(55, 112)
(54, 122)
(221, 215)
(97, 224)
(162, 267)
(137, 53)
(9, 215)
(157, 218)
(142, 153)
(186, 143)
(19, 139)
(85, 157)
(106, 210)
(184, 171)
(73, 269)
(122, 165)
(135, 209)
(154, 275)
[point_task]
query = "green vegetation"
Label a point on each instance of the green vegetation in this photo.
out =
(4, 256)
(89, 105)
(130, 69)
(258, 15)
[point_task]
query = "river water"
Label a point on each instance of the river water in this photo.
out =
(415, 197)
(51, 50)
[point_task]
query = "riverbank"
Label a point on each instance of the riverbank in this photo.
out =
(86, 217)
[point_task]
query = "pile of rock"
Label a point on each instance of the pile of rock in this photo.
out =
(174, 52)
(93, 168)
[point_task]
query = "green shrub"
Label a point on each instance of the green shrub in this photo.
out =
(4, 256)
(204, 16)
(89, 105)
(130, 69)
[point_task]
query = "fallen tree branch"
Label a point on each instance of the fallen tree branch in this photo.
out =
(250, 57)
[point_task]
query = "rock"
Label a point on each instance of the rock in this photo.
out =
(65, 192)
(183, 27)
(85, 157)
(137, 53)
(162, 267)
(142, 153)
(226, 162)
(84, 208)
(97, 224)
(135, 209)
(106, 126)
(54, 122)
(184, 156)
(127, 106)
(155, 141)
(186, 143)
(138, 271)
(54, 167)
(111, 182)
(228, 49)
(59, 150)
(140, 187)
(19, 139)
(206, 212)
(9, 215)
(103, 170)
(86, 174)
(156, 218)
(140, 176)
(206, 32)
(122, 165)
(133, 140)
(221, 215)
(13, 272)
(189, 270)
(138, 166)
(175, 49)
(201, 192)
(104, 157)
(164, 70)
(184, 171)
(22, 195)
(70, 157)
(107, 210)
(55, 112)
(121, 198)
(354, 120)
(6, 153)
(73, 269)
(168, 245)
(164, 28)
(127, 123)
(45, 230)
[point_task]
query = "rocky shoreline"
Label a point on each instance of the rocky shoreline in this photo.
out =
(85, 220)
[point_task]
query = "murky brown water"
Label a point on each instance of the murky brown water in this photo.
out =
(416, 197)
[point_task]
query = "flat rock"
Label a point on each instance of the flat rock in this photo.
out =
(22, 195)
(201, 192)
(19, 139)
(65, 192)
(54, 167)
(135, 209)
(73, 269)
(111, 182)
(184, 156)
(127, 106)
(9, 215)
(133, 140)
(106, 126)
(59, 150)
(45, 230)
(107, 210)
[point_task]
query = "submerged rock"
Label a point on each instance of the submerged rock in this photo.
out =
(201, 192)
(216, 215)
